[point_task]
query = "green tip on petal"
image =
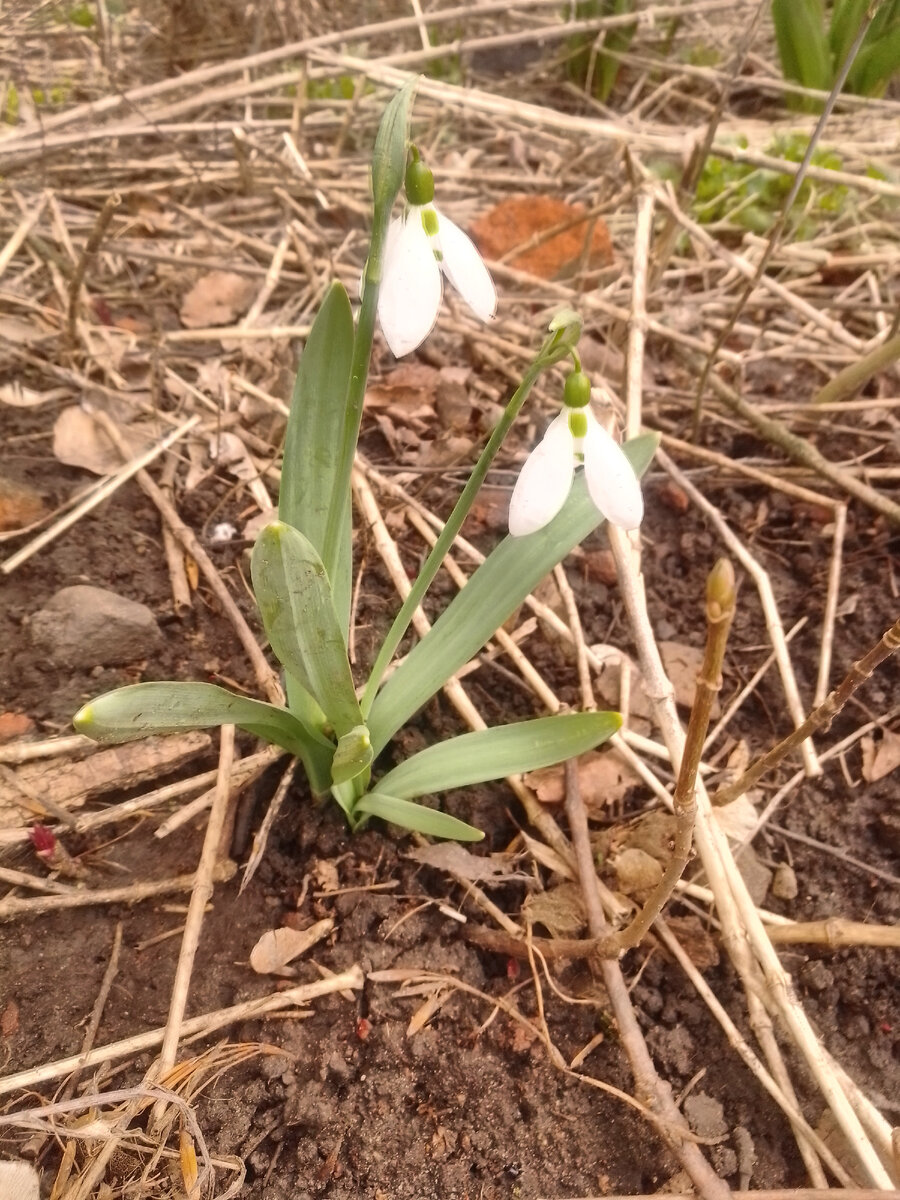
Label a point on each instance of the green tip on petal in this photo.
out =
(578, 425)
(84, 717)
(430, 224)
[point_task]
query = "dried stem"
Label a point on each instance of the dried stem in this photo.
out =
(720, 603)
(817, 719)
(92, 245)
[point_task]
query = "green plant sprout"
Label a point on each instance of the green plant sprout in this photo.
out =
(813, 46)
(301, 564)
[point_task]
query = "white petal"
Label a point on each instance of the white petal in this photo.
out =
(544, 481)
(611, 480)
(464, 267)
(410, 294)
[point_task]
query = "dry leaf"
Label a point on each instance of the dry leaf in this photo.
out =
(78, 441)
(453, 858)
(682, 665)
(14, 725)
(277, 947)
(410, 385)
(604, 778)
(560, 909)
(636, 871)
(20, 505)
(9, 1019)
(216, 299)
(14, 331)
(521, 220)
(696, 941)
(879, 759)
(738, 819)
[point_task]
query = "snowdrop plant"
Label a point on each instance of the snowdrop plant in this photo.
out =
(302, 563)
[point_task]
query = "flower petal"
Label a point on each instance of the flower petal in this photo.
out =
(544, 481)
(410, 294)
(611, 480)
(464, 267)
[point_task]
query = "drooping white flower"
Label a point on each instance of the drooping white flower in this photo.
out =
(420, 246)
(546, 477)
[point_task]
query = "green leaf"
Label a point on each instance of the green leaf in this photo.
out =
(353, 755)
(846, 18)
(876, 64)
(309, 472)
(416, 816)
(297, 607)
(145, 708)
(803, 45)
(495, 753)
(389, 155)
(490, 597)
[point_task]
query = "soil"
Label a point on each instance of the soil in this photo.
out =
(354, 1099)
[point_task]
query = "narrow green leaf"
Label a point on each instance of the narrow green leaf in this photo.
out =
(803, 44)
(416, 816)
(145, 708)
(846, 18)
(495, 753)
(297, 608)
(353, 755)
(876, 64)
(309, 472)
(490, 597)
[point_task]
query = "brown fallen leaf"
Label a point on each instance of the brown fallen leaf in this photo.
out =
(453, 858)
(410, 384)
(20, 505)
(560, 909)
(277, 947)
(604, 778)
(9, 1019)
(699, 944)
(79, 441)
(517, 221)
(216, 299)
(14, 725)
(637, 872)
(879, 759)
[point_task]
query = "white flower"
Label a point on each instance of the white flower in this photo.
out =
(419, 246)
(545, 479)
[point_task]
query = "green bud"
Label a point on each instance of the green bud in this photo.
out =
(577, 390)
(419, 182)
(389, 157)
(578, 424)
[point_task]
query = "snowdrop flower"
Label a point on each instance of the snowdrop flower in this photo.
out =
(420, 245)
(575, 436)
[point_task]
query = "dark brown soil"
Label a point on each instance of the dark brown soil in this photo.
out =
(351, 1105)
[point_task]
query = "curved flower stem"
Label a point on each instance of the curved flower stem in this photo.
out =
(558, 345)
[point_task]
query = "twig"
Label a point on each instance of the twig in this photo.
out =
(720, 605)
(104, 489)
(648, 1083)
(84, 898)
(817, 719)
(92, 245)
(853, 378)
(201, 894)
(767, 599)
(248, 1010)
(831, 602)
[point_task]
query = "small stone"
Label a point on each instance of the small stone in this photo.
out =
(705, 1115)
(636, 871)
(84, 626)
(816, 976)
(784, 884)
